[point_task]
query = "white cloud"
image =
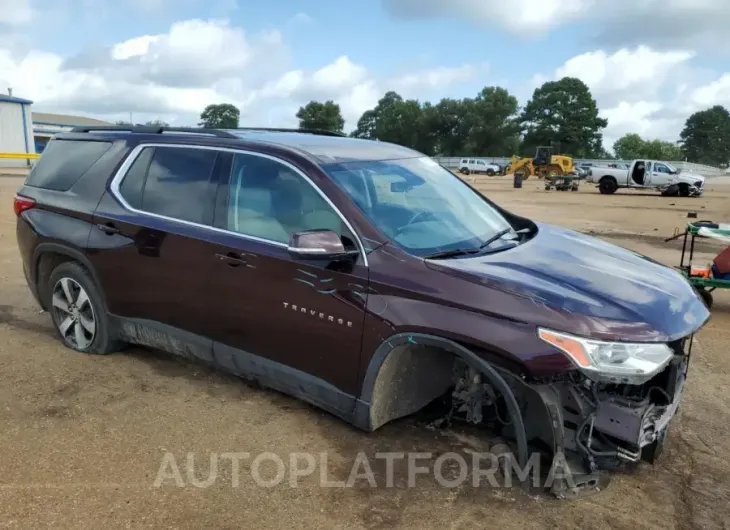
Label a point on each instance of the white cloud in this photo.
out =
(300, 19)
(644, 91)
(437, 78)
(715, 93)
(638, 73)
(697, 24)
(15, 12)
(174, 75)
(518, 16)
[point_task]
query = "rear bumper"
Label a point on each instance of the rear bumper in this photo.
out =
(32, 286)
(27, 240)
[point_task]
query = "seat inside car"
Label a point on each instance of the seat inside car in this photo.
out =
(251, 204)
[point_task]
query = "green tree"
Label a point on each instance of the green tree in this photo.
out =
(706, 137)
(448, 122)
(661, 150)
(366, 125)
(325, 116)
(399, 121)
(220, 116)
(631, 146)
(493, 123)
(157, 123)
(393, 120)
(563, 114)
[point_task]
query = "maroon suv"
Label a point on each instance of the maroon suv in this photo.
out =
(362, 277)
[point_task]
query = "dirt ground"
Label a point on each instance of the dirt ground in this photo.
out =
(82, 438)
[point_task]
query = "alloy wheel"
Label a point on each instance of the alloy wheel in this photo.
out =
(73, 313)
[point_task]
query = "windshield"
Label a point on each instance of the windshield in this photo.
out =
(421, 206)
(672, 169)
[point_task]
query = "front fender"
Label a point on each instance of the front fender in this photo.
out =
(394, 387)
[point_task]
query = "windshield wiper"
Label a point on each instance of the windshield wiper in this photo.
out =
(495, 237)
(469, 251)
(452, 253)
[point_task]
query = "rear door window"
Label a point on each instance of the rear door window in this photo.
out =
(64, 162)
(173, 182)
(131, 188)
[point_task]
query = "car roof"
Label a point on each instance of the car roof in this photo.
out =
(323, 146)
(329, 149)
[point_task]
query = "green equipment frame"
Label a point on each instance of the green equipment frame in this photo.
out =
(704, 286)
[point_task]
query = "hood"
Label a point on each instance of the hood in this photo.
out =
(690, 178)
(590, 287)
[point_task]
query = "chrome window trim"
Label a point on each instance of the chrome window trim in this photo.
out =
(116, 182)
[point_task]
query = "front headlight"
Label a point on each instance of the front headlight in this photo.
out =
(615, 362)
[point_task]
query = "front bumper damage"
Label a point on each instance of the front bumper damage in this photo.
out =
(600, 427)
(586, 427)
(695, 189)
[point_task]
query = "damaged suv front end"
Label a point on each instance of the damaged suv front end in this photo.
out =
(561, 344)
(616, 408)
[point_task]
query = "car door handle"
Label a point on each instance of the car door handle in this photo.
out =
(108, 228)
(232, 259)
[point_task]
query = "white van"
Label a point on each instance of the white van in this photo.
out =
(474, 165)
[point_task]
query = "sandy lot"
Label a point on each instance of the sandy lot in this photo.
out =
(83, 437)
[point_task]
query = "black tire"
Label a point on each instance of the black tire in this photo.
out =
(101, 340)
(683, 190)
(607, 185)
(464, 171)
(706, 296)
(490, 172)
(523, 172)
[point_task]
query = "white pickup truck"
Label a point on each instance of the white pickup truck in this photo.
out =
(648, 174)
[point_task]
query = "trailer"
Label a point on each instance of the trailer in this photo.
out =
(562, 182)
(705, 279)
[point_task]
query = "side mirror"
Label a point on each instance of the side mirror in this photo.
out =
(317, 244)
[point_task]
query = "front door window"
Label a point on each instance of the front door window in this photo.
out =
(268, 200)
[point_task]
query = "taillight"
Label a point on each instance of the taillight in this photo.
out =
(21, 204)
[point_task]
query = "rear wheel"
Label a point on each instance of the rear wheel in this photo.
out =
(607, 185)
(78, 312)
(554, 171)
(464, 170)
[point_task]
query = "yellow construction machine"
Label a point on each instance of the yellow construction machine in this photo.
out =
(545, 164)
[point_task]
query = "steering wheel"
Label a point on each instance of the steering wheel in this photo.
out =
(412, 220)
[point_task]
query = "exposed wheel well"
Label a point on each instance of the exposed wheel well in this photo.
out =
(410, 371)
(47, 262)
(48, 256)
(410, 377)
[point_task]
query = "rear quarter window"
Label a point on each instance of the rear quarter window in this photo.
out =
(64, 162)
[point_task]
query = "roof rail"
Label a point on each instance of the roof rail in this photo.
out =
(143, 129)
(318, 132)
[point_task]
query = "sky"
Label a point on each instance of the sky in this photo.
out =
(649, 63)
